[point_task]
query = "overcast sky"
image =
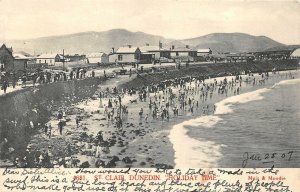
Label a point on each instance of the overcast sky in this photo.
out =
(179, 19)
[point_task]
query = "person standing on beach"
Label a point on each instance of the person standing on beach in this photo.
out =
(65, 76)
(14, 79)
(109, 103)
(60, 126)
(108, 116)
(77, 121)
(4, 86)
(141, 112)
(49, 131)
(46, 129)
(98, 151)
(146, 118)
(71, 75)
(59, 115)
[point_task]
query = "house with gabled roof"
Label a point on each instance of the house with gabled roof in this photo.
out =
(204, 52)
(157, 52)
(49, 59)
(97, 57)
(125, 54)
(6, 59)
(183, 53)
(21, 60)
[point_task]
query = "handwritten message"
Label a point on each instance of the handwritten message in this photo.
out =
(156, 180)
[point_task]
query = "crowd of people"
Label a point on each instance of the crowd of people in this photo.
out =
(166, 100)
(41, 77)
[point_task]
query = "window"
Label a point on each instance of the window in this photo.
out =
(51, 61)
(40, 61)
(177, 54)
(120, 57)
(45, 61)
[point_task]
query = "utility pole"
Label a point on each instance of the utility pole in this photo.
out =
(63, 59)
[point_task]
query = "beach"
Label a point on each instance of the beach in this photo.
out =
(177, 141)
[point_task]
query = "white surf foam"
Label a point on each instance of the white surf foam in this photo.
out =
(287, 82)
(224, 106)
(191, 152)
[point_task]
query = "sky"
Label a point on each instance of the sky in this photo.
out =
(178, 19)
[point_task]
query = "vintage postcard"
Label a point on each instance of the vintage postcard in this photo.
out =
(138, 95)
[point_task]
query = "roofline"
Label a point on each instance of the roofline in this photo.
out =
(124, 53)
(183, 50)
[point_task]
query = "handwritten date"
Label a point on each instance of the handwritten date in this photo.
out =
(265, 158)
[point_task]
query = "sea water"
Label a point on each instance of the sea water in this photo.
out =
(259, 128)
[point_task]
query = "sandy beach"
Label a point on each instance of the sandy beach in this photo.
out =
(141, 142)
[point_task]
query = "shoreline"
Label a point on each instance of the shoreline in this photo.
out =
(212, 149)
(142, 152)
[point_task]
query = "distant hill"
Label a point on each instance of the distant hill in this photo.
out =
(86, 42)
(232, 42)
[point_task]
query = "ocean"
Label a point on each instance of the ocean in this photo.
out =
(258, 128)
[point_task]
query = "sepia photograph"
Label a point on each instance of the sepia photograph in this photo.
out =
(149, 84)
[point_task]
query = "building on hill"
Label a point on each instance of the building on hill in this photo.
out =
(183, 53)
(125, 54)
(6, 59)
(97, 57)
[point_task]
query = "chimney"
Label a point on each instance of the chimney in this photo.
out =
(129, 46)
(147, 44)
(187, 46)
(160, 45)
(173, 47)
(113, 50)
